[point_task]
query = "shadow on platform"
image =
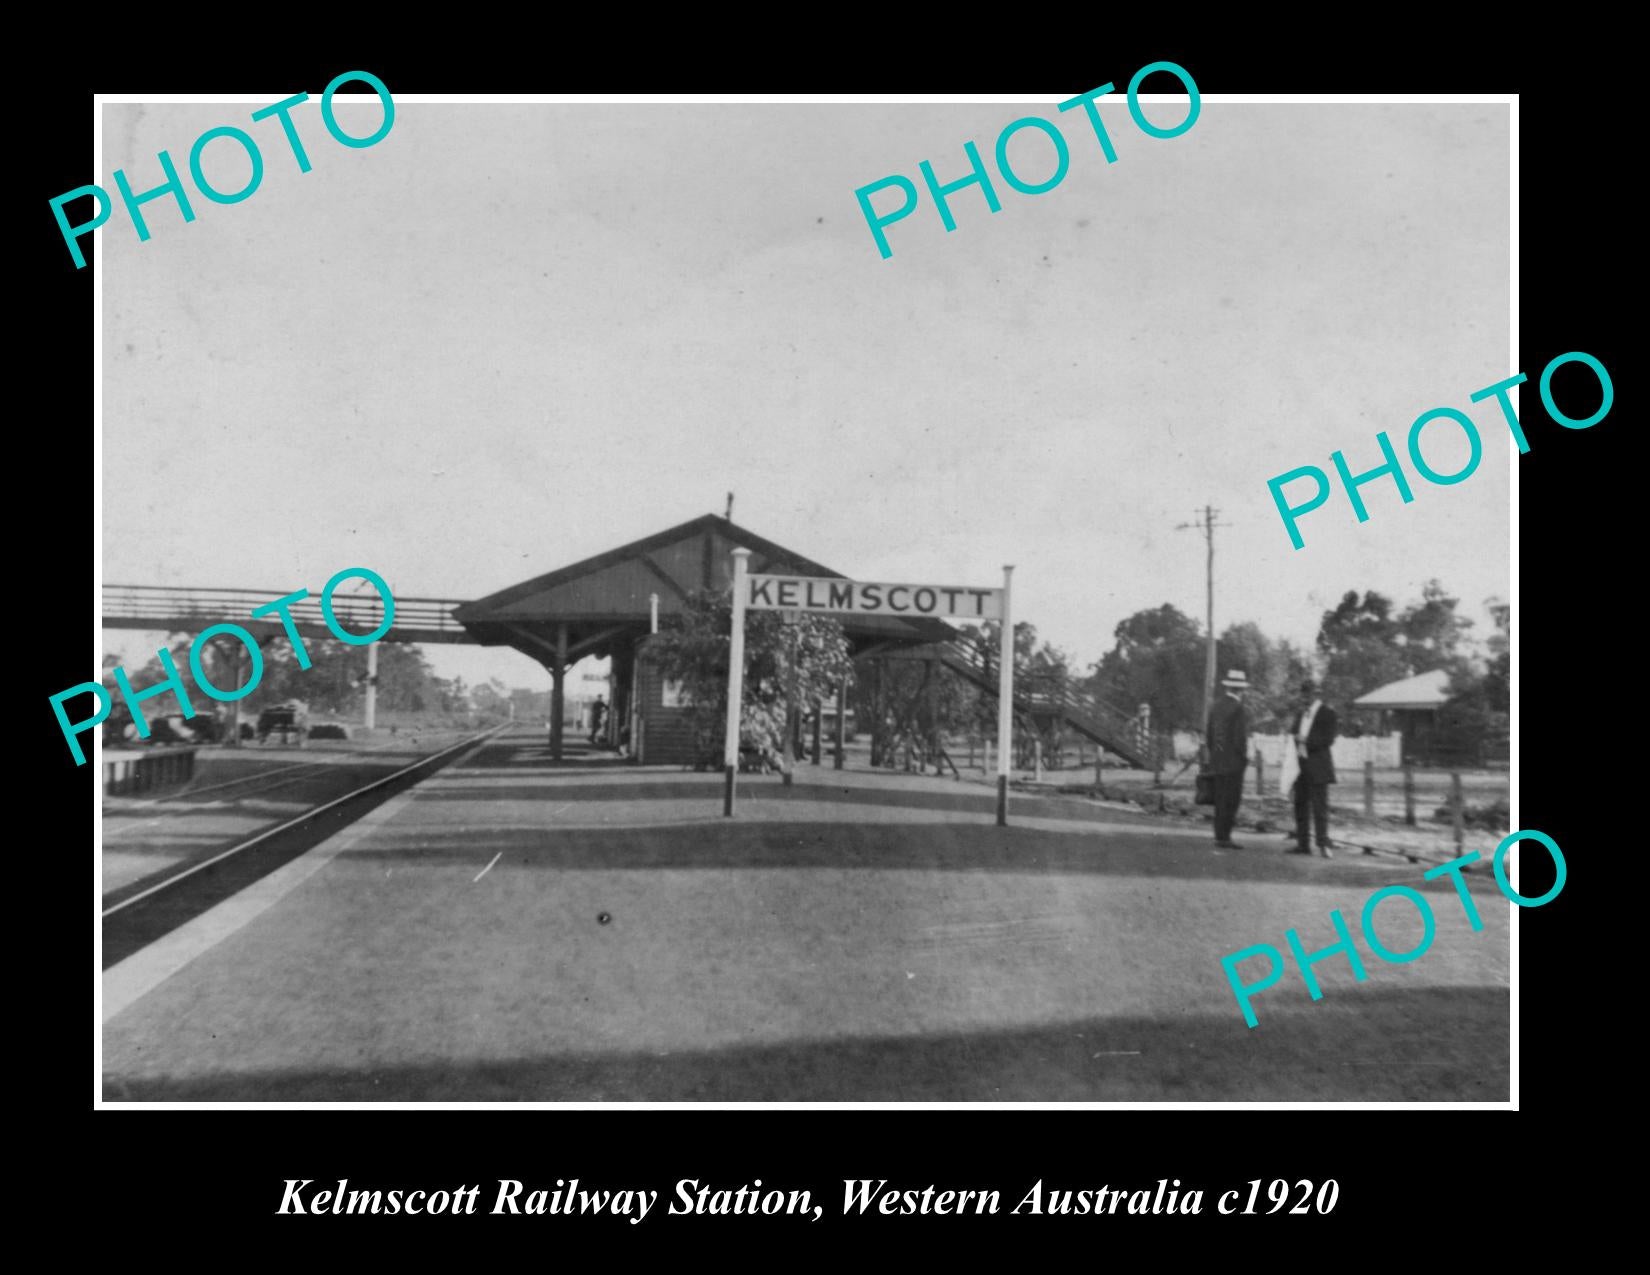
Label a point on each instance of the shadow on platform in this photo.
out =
(716, 843)
(708, 788)
(1415, 1045)
(517, 750)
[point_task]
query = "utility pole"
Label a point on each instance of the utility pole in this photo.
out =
(1207, 526)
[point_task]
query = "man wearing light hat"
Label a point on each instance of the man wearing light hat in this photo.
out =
(1228, 743)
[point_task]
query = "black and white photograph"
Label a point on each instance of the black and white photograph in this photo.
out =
(553, 563)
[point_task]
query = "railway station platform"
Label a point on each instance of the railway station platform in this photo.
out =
(508, 931)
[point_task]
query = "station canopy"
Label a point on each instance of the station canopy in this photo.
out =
(605, 601)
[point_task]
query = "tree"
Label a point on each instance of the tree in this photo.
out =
(1365, 645)
(1157, 659)
(336, 681)
(1358, 643)
(454, 695)
(1040, 664)
(1037, 664)
(1432, 633)
(333, 683)
(1274, 668)
(530, 705)
(492, 697)
(406, 683)
(1479, 711)
(153, 673)
(921, 701)
(693, 648)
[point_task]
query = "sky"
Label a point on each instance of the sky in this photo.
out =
(506, 338)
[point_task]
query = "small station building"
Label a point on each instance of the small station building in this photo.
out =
(605, 607)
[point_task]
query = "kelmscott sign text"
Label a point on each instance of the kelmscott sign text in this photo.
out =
(805, 593)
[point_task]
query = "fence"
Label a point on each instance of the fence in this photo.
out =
(1062, 752)
(1350, 753)
(130, 772)
(1419, 796)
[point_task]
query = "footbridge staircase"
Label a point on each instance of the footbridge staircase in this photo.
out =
(1050, 703)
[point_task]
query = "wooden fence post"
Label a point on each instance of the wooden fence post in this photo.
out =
(1409, 792)
(1260, 773)
(1369, 786)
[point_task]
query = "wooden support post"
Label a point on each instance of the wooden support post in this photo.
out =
(875, 723)
(1457, 808)
(370, 716)
(1037, 759)
(1369, 786)
(633, 702)
(925, 700)
(842, 723)
(819, 730)
(558, 702)
(787, 758)
(736, 676)
(1005, 696)
(1409, 792)
(1260, 773)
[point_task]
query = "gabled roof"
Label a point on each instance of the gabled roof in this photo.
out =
(1424, 690)
(622, 578)
(602, 598)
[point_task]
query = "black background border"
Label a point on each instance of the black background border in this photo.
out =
(124, 1171)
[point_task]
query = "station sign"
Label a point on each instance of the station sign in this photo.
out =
(836, 596)
(858, 597)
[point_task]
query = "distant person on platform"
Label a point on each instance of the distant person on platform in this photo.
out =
(598, 715)
(1228, 746)
(1312, 734)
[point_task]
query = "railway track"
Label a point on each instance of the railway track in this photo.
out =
(142, 911)
(255, 784)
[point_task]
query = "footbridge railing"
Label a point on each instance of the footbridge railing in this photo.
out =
(178, 609)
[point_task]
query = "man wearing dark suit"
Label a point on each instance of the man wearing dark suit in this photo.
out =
(1312, 734)
(1228, 745)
